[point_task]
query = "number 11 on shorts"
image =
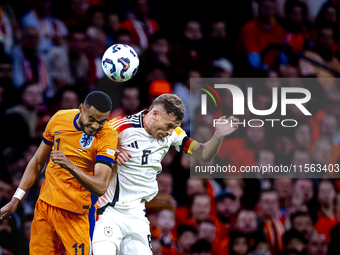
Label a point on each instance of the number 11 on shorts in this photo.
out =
(75, 247)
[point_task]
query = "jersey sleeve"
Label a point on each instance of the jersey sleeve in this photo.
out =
(182, 142)
(48, 133)
(107, 146)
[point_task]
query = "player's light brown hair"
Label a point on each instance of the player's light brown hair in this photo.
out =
(172, 104)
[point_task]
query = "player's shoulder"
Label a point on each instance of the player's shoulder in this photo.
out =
(107, 130)
(123, 123)
(64, 116)
(66, 113)
(179, 132)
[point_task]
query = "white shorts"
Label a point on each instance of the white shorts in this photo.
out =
(129, 230)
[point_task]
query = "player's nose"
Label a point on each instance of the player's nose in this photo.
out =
(95, 125)
(169, 132)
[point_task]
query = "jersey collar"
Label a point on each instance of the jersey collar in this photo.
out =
(142, 114)
(75, 122)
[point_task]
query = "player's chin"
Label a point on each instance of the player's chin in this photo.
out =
(90, 131)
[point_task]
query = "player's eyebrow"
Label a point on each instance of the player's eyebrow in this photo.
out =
(99, 121)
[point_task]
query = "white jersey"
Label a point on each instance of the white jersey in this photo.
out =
(136, 180)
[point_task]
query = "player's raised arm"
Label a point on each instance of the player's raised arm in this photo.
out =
(29, 177)
(97, 184)
(207, 151)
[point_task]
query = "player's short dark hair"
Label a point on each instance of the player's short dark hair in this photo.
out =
(99, 100)
(200, 246)
(186, 228)
(172, 104)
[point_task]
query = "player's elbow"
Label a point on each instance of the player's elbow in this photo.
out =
(102, 190)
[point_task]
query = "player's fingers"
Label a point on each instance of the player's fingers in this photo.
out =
(124, 157)
(126, 154)
(223, 117)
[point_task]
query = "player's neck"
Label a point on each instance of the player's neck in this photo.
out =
(78, 122)
(146, 119)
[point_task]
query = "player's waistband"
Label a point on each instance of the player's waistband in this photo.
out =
(126, 206)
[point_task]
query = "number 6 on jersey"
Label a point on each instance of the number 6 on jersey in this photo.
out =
(145, 156)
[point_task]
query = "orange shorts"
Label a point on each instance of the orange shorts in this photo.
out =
(57, 231)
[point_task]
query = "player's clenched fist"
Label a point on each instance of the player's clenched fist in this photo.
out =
(9, 209)
(58, 157)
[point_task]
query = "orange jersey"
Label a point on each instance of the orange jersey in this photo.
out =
(60, 188)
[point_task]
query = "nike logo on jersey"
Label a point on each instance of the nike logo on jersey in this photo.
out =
(133, 145)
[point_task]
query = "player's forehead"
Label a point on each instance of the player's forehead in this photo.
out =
(92, 112)
(170, 118)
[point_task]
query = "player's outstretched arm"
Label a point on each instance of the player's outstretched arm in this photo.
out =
(29, 177)
(207, 151)
(97, 184)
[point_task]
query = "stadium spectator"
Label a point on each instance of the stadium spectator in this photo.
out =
(96, 17)
(184, 89)
(235, 186)
(165, 226)
(6, 67)
(112, 25)
(226, 212)
(27, 65)
(31, 101)
(201, 247)
(69, 63)
(157, 88)
(327, 219)
(298, 35)
(156, 247)
(283, 186)
(140, 25)
(67, 98)
(207, 231)
(95, 48)
(130, 102)
(241, 151)
(51, 30)
(302, 136)
(317, 244)
(322, 151)
(335, 232)
(269, 211)
(8, 23)
(328, 16)
(302, 222)
(75, 13)
(188, 49)
(293, 239)
(257, 34)
(187, 236)
(218, 36)
(322, 53)
(239, 243)
(265, 158)
(165, 183)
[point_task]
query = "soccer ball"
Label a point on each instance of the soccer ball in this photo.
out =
(120, 62)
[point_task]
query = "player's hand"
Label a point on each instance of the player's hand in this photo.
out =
(122, 157)
(225, 127)
(58, 157)
(9, 209)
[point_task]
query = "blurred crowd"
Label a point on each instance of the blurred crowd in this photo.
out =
(50, 58)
